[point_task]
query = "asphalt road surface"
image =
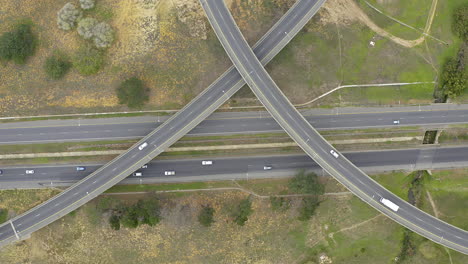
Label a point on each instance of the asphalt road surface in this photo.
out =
(315, 145)
(235, 167)
(220, 124)
(159, 139)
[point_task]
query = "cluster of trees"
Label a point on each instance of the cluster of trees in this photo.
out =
(143, 212)
(454, 74)
(71, 16)
(19, 44)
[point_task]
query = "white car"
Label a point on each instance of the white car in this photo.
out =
(144, 166)
(142, 146)
(207, 162)
(169, 173)
(334, 153)
(267, 167)
(137, 174)
(29, 171)
(396, 122)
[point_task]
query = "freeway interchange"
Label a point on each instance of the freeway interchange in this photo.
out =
(314, 144)
(250, 62)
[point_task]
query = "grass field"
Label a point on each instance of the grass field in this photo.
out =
(344, 229)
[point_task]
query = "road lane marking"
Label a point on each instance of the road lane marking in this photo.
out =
(14, 230)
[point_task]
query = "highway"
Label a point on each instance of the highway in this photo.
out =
(229, 123)
(314, 144)
(159, 139)
(230, 168)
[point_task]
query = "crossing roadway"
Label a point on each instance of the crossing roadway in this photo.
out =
(159, 139)
(368, 190)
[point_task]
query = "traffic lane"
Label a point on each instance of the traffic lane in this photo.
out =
(255, 75)
(229, 126)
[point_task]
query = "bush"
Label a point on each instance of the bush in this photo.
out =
(460, 22)
(57, 65)
(279, 203)
(132, 92)
(306, 183)
(308, 206)
(86, 26)
(206, 216)
(3, 215)
(242, 211)
(454, 77)
(143, 212)
(114, 222)
(18, 44)
(67, 16)
(103, 35)
(88, 61)
(87, 4)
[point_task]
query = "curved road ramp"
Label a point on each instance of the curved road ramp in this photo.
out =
(315, 145)
(161, 138)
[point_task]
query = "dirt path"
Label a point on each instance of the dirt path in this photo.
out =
(434, 207)
(350, 10)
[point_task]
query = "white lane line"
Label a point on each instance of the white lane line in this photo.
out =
(94, 182)
(114, 169)
(37, 215)
(75, 194)
(14, 230)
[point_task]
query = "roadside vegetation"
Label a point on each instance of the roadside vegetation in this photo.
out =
(57, 65)
(3, 215)
(205, 217)
(19, 44)
(133, 93)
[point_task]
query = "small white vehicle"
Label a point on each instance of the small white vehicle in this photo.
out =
(389, 204)
(169, 173)
(142, 146)
(29, 171)
(137, 174)
(207, 162)
(144, 166)
(396, 122)
(267, 167)
(334, 153)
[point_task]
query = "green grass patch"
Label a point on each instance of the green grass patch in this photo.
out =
(167, 187)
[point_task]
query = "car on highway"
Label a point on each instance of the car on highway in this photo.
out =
(267, 167)
(207, 162)
(396, 122)
(1, 172)
(29, 171)
(79, 168)
(334, 153)
(144, 166)
(138, 174)
(169, 173)
(142, 146)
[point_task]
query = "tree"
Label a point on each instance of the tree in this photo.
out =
(149, 212)
(87, 4)
(205, 217)
(18, 44)
(308, 206)
(57, 65)
(68, 16)
(306, 183)
(132, 92)
(129, 217)
(103, 35)
(460, 22)
(454, 75)
(242, 211)
(88, 60)
(86, 26)
(114, 222)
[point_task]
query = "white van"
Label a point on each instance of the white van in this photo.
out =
(169, 173)
(207, 162)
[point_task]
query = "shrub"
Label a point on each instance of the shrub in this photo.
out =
(87, 4)
(143, 212)
(57, 65)
(206, 216)
(306, 183)
(279, 203)
(86, 26)
(460, 22)
(88, 61)
(18, 44)
(3, 215)
(454, 77)
(132, 92)
(114, 222)
(67, 16)
(103, 35)
(242, 211)
(308, 206)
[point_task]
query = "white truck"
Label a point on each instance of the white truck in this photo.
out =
(389, 204)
